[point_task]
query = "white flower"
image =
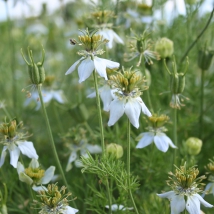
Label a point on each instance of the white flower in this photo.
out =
(131, 106)
(209, 188)
(160, 139)
(178, 203)
(116, 207)
(14, 148)
(40, 177)
(70, 210)
(110, 35)
(105, 95)
(83, 147)
(86, 66)
(48, 95)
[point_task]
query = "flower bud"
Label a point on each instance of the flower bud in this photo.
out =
(193, 145)
(164, 47)
(115, 150)
(205, 58)
(36, 70)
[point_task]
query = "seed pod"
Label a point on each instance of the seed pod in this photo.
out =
(41, 72)
(164, 47)
(205, 59)
(181, 84)
(174, 83)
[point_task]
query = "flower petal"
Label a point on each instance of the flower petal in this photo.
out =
(70, 210)
(100, 67)
(207, 189)
(34, 163)
(47, 96)
(14, 156)
(145, 110)
(39, 188)
(22, 176)
(85, 69)
(106, 97)
(3, 155)
(49, 173)
(206, 204)
(27, 149)
(132, 110)
(193, 205)
(117, 38)
(71, 159)
(59, 96)
(93, 149)
(73, 67)
(169, 141)
(161, 142)
(111, 64)
(117, 109)
(146, 139)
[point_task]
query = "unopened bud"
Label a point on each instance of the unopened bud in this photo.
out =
(115, 150)
(205, 58)
(193, 145)
(164, 47)
(36, 70)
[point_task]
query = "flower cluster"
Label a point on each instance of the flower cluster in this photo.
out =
(184, 194)
(14, 141)
(156, 134)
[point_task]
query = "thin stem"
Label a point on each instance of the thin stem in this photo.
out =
(99, 112)
(147, 91)
(109, 196)
(198, 37)
(51, 137)
(128, 165)
(202, 105)
(32, 195)
(174, 135)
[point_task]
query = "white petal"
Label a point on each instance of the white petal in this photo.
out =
(114, 207)
(71, 159)
(78, 163)
(160, 142)
(70, 210)
(100, 67)
(20, 168)
(108, 35)
(27, 149)
(193, 205)
(106, 97)
(111, 64)
(145, 110)
(22, 176)
(207, 189)
(206, 204)
(59, 96)
(3, 155)
(85, 69)
(169, 141)
(93, 149)
(117, 38)
(39, 188)
(117, 109)
(92, 95)
(169, 194)
(48, 175)
(132, 110)
(14, 156)
(34, 163)
(146, 139)
(73, 67)
(47, 96)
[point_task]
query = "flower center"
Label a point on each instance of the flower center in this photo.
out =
(35, 173)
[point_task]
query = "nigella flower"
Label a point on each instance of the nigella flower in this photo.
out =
(156, 134)
(116, 207)
(54, 201)
(111, 36)
(34, 175)
(126, 98)
(105, 95)
(185, 191)
(140, 46)
(14, 142)
(90, 62)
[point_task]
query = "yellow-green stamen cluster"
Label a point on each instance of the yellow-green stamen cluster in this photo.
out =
(102, 17)
(156, 121)
(185, 181)
(35, 173)
(9, 130)
(128, 83)
(91, 42)
(53, 200)
(49, 81)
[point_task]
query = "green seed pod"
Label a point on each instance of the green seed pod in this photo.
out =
(193, 145)
(41, 73)
(181, 82)
(205, 59)
(164, 47)
(174, 83)
(115, 150)
(35, 74)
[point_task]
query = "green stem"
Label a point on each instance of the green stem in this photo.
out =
(174, 135)
(51, 137)
(59, 121)
(128, 164)
(202, 105)
(99, 112)
(6, 113)
(32, 195)
(147, 91)
(101, 133)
